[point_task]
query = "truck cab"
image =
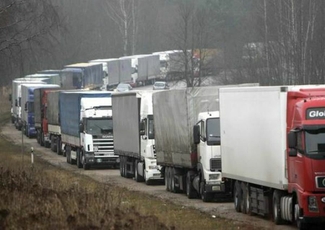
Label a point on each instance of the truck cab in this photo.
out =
(206, 136)
(96, 131)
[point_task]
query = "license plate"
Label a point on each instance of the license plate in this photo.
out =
(215, 188)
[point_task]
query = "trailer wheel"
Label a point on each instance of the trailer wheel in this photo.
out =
(79, 156)
(54, 144)
(190, 191)
(42, 138)
(237, 196)
(245, 204)
(68, 153)
(38, 137)
(58, 146)
(167, 179)
(121, 166)
(277, 207)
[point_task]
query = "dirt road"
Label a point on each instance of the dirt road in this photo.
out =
(225, 210)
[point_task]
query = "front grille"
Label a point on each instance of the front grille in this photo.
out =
(104, 145)
(320, 182)
(215, 164)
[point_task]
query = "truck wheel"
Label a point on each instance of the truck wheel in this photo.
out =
(83, 161)
(172, 179)
(68, 153)
(54, 145)
(205, 196)
(190, 191)
(277, 207)
(58, 146)
(297, 214)
(245, 199)
(138, 177)
(79, 155)
(42, 138)
(167, 178)
(121, 166)
(38, 137)
(237, 196)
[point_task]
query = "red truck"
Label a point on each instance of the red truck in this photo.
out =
(40, 113)
(273, 151)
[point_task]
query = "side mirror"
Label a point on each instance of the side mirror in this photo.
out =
(81, 127)
(16, 102)
(292, 139)
(10, 97)
(196, 134)
(26, 106)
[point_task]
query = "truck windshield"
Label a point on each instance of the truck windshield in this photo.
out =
(151, 130)
(99, 126)
(213, 131)
(315, 143)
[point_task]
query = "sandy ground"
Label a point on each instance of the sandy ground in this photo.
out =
(225, 209)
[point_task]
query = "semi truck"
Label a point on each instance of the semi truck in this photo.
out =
(134, 135)
(16, 97)
(40, 114)
(28, 112)
(273, 152)
(87, 128)
(116, 71)
(51, 121)
(191, 163)
(148, 69)
(82, 76)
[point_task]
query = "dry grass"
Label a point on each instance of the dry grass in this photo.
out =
(46, 197)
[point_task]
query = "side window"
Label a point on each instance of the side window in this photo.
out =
(203, 133)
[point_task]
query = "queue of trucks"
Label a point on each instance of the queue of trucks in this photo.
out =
(261, 146)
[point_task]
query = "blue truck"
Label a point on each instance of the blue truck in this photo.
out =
(87, 128)
(82, 76)
(27, 111)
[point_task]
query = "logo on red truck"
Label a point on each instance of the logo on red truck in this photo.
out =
(315, 113)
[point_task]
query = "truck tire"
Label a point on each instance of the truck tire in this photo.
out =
(190, 191)
(246, 204)
(79, 156)
(137, 176)
(54, 145)
(42, 138)
(58, 146)
(68, 153)
(237, 196)
(121, 166)
(167, 179)
(276, 201)
(300, 225)
(173, 188)
(83, 160)
(38, 137)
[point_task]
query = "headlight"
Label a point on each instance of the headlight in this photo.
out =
(213, 176)
(153, 166)
(312, 204)
(95, 148)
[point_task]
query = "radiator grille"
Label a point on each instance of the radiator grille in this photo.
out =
(215, 164)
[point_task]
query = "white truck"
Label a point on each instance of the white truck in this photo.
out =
(87, 128)
(134, 135)
(190, 159)
(16, 97)
(273, 151)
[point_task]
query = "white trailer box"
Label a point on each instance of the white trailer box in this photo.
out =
(253, 134)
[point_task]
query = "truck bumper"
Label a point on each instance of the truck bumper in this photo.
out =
(92, 160)
(154, 175)
(215, 188)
